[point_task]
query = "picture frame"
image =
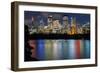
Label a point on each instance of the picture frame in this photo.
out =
(78, 17)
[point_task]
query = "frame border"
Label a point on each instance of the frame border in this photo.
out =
(14, 35)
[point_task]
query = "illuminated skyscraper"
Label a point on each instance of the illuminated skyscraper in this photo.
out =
(41, 26)
(65, 21)
(50, 20)
(73, 26)
(65, 25)
(56, 27)
(33, 26)
(41, 23)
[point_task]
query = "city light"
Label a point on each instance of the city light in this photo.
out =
(54, 26)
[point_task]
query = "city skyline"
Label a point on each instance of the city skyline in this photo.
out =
(80, 18)
(59, 23)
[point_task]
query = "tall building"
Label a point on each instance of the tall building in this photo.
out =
(41, 23)
(50, 20)
(73, 26)
(33, 26)
(65, 21)
(56, 26)
(65, 25)
(79, 29)
(41, 27)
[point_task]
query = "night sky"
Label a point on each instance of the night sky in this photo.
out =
(80, 18)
